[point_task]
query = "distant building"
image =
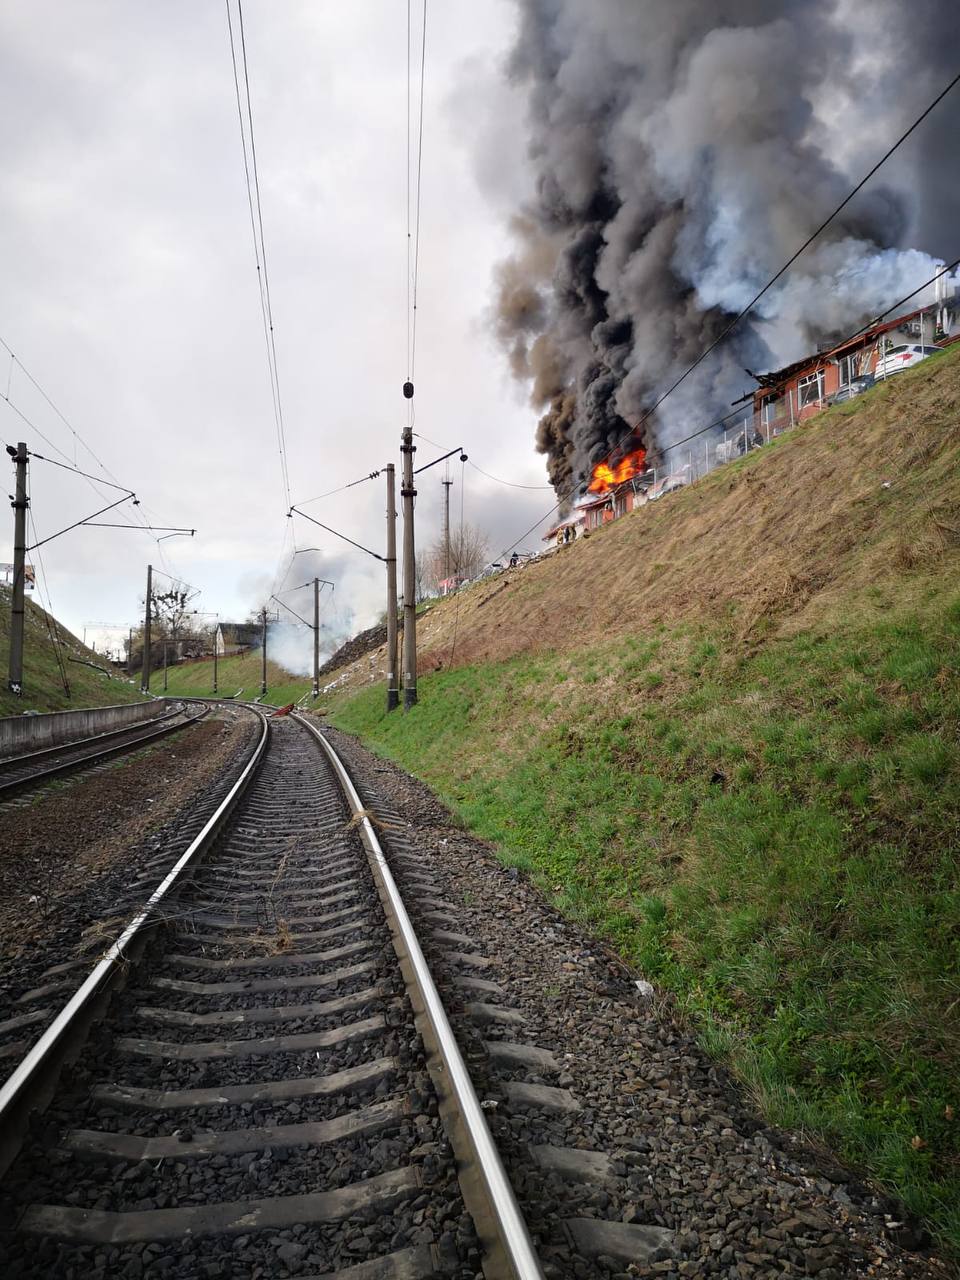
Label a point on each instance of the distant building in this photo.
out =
(236, 637)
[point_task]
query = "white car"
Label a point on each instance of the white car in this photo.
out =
(896, 359)
(667, 485)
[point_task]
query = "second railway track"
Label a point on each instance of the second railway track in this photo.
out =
(24, 773)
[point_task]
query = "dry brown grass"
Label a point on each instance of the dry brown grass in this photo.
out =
(841, 504)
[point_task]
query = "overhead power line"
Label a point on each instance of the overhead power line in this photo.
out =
(725, 332)
(252, 176)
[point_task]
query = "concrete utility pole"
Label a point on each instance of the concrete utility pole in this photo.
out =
(215, 659)
(446, 482)
(393, 692)
(408, 493)
(263, 651)
(164, 664)
(145, 671)
(316, 637)
(19, 504)
(130, 653)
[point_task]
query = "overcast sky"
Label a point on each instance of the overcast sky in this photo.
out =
(130, 293)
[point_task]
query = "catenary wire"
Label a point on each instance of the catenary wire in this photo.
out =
(416, 239)
(53, 633)
(138, 515)
(340, 488)
(511, 484)
(252, 179)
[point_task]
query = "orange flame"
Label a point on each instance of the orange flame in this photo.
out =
(606, 477)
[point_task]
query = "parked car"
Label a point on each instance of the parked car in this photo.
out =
(899, 358)
(667, 485)
(854, 388)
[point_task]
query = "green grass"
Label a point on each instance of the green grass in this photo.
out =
(195, 680)
(772, 835)
(43, 688)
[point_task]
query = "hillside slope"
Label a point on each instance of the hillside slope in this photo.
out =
(724, 732)
(43, 677)
(236, 676)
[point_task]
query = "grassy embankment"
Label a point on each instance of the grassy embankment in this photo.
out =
(724, 734)
(235, 676)
(43, 686)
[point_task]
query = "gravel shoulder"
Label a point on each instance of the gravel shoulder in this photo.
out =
(690, 1155)
(80, 855)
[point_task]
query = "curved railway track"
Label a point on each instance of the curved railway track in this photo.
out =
(20, 774)
(276, 1090)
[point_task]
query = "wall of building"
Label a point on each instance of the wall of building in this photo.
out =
(20, 734)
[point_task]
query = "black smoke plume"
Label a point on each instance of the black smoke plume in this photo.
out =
(682, 150)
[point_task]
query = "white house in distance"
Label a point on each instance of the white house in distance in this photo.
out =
(237, 637)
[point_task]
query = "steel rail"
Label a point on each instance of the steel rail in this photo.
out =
(15, 785)
(489, 1197)
(32, 1081)
(60, 747)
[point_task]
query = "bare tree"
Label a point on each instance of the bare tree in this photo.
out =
(468, 555)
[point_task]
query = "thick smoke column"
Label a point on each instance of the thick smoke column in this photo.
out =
(682, 150)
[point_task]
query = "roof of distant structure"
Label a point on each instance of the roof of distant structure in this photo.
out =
(245, 633)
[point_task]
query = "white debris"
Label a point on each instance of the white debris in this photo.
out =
(645, 988)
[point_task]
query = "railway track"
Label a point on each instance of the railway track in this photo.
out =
(276, 1089)
(21, 774)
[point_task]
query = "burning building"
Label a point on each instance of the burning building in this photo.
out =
(803, 388)
(677, 155)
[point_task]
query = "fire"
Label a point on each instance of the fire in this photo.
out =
(606, 477)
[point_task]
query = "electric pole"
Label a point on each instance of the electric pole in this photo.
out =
(215, 642)
(446, 482)
(393, 693)
(263, 651)
(19, 504)
(130, 653)
(164, 642)
(145, 672)
(408, 493)
(316, 637)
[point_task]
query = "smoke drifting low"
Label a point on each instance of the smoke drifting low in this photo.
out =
(682, 150)
(290, 637)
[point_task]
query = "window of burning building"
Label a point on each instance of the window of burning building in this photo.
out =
(810, 389)
(850, 367)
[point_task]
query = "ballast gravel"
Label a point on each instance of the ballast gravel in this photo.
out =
(288, 854)
(686, 1152)
(79, 859)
